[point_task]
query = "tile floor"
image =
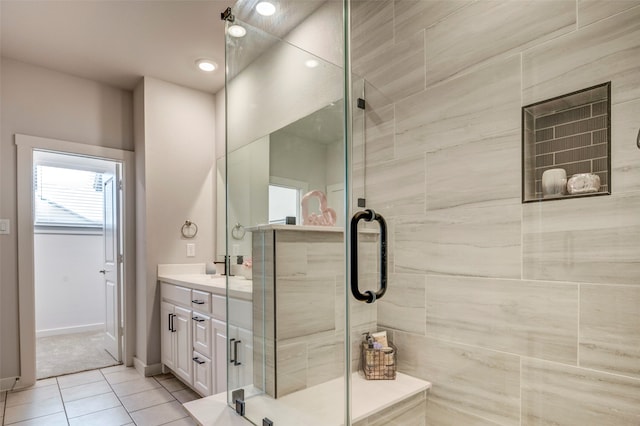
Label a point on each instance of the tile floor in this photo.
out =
(109, 396)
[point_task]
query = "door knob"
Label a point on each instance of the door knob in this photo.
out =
(102, 271)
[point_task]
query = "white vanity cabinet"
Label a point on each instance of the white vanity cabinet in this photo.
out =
(187, 340)
(236, 349)
(177, 333)
(194, 338)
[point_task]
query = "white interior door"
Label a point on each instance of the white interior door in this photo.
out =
(111, 271)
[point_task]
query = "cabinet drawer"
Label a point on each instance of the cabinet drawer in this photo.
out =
(202, 379)
(177, 294)
(202, 336)
(201, 301)
(219, 305)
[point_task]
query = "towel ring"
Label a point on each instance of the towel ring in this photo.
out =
(237, 232)
(189, 229)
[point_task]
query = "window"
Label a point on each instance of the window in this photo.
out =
(283, 201)
(67, 197)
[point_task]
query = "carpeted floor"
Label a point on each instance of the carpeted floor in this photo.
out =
(71, 353)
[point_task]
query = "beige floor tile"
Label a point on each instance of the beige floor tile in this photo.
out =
(134, 386)
(187, 421)
(79, 379)
(91, 404)
(122, 376)
(44, 382)
(185, 395)
(146, 399)
(32, 395)
(159, 414)
(33, 410)
(172, 385)
(57, 419)
(112, 417)
(85, 391)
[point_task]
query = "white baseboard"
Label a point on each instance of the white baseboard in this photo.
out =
(8, 383)
(146, 370)
(70, 330)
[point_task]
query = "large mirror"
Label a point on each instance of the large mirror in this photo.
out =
(276, 170)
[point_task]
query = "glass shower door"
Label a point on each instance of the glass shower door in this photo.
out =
(286, 218)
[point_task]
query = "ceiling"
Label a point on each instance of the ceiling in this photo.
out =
(118, 41)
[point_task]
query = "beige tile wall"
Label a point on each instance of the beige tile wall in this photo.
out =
(518, 314)
(298, 307)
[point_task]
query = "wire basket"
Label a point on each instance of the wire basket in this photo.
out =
(378, 364)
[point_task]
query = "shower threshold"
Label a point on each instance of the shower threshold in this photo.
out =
(319, 405)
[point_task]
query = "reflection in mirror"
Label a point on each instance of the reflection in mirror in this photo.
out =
(306, 155)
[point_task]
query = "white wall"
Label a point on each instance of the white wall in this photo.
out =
(175, 151)
(40, 102)
(300, 159)
(69, 288)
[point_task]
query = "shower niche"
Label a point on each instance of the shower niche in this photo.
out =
(566, 146)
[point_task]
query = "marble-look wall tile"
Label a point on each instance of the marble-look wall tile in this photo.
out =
(409, 412)
(382, 71)
(371, 28)
(478, 381)
(591, 239)
(444, 415)
(478, 240)
(325, 359)
(484, 170)
(473, 107)
(487, 29)
(403, 305)
(291, 369)
(304, 306)
(557, 394)
(608, 50)
(590, 11)
(397, 187)
(537, 319)
(610, 328)
(625, 156)
(411, 16)
(379, 124)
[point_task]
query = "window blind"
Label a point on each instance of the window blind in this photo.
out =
(67, 197)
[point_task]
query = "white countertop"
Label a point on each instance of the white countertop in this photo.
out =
(193, 276)
(319, 405)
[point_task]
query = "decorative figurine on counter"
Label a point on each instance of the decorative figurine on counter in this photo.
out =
(326, 216)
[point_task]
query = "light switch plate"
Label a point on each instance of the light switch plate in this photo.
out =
(191, 250)
(5, 227)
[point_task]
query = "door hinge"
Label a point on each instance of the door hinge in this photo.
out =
(120, 258)
(120, 185)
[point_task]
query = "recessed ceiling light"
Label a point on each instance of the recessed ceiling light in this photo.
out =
(311, 63)
(236, 31)
(206, 65)
(265, 8)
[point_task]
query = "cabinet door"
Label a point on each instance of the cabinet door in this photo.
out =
(202, 336)
(166, 335)
(245, 356)
(202, 380)
(182, 325)
(219, 370)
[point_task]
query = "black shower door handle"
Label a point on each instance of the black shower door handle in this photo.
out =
(369, 216)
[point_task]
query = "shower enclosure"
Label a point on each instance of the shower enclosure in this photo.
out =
(383, 172)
